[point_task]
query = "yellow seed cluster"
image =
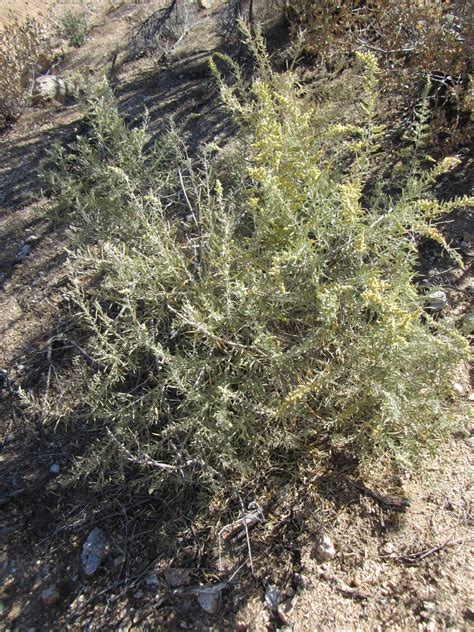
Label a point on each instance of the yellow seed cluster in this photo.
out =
(375, 293)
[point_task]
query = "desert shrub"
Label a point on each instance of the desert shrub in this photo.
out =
(410, 38)
(74, 26)
(21, 44)
(163, 30)
(267, 321)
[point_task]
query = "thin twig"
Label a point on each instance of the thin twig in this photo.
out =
(142, 459)
(414, 558)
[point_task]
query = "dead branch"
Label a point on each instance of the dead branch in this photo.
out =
(415, 558)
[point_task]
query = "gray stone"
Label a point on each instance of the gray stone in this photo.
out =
(209, 597)
(152, 580)
(437, 300)
(49, 88)
(50, 595)
(176, 577)
(272, 597)
(93, 551)
(24, 252)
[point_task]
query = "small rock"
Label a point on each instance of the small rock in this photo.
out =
(470, 288)
(48, 88)
(50, 595)
(437, 301)
(272, 597)
(458, 388)
(301, 581)
(177, 577)
(54, 469)
(31, 239)
(206, 4)
(209, 596)
(152, 580)
(241, 627)
(389, 549)
(325, 549)
(93, 551)
(24, 252)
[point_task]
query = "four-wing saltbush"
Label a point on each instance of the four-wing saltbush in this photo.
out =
(252, 316)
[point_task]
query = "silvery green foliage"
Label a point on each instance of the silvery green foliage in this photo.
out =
(263, 315)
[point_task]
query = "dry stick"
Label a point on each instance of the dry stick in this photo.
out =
(49, 351)
(418, 557)
(142, 459)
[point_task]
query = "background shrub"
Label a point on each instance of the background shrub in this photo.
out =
(411, 39)
(74, 26)
(21, 44)
(263, 322)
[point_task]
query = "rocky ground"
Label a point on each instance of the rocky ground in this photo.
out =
(345, 557)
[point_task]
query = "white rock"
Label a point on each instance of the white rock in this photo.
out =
(93, 551)
(206, 4)
(325, 549)
(437, 301)
(50, 87)
(458, 388)
(389, 549)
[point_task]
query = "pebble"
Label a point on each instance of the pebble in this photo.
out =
(54, 469)
(437, 300)
(50, 595)
(458, 388)
(24, 252)
(93, 551)
(272, 597)
(470, 289)
(177, 577)
(325, 549)
(152, 580)
(209, 597)
(389, 549)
